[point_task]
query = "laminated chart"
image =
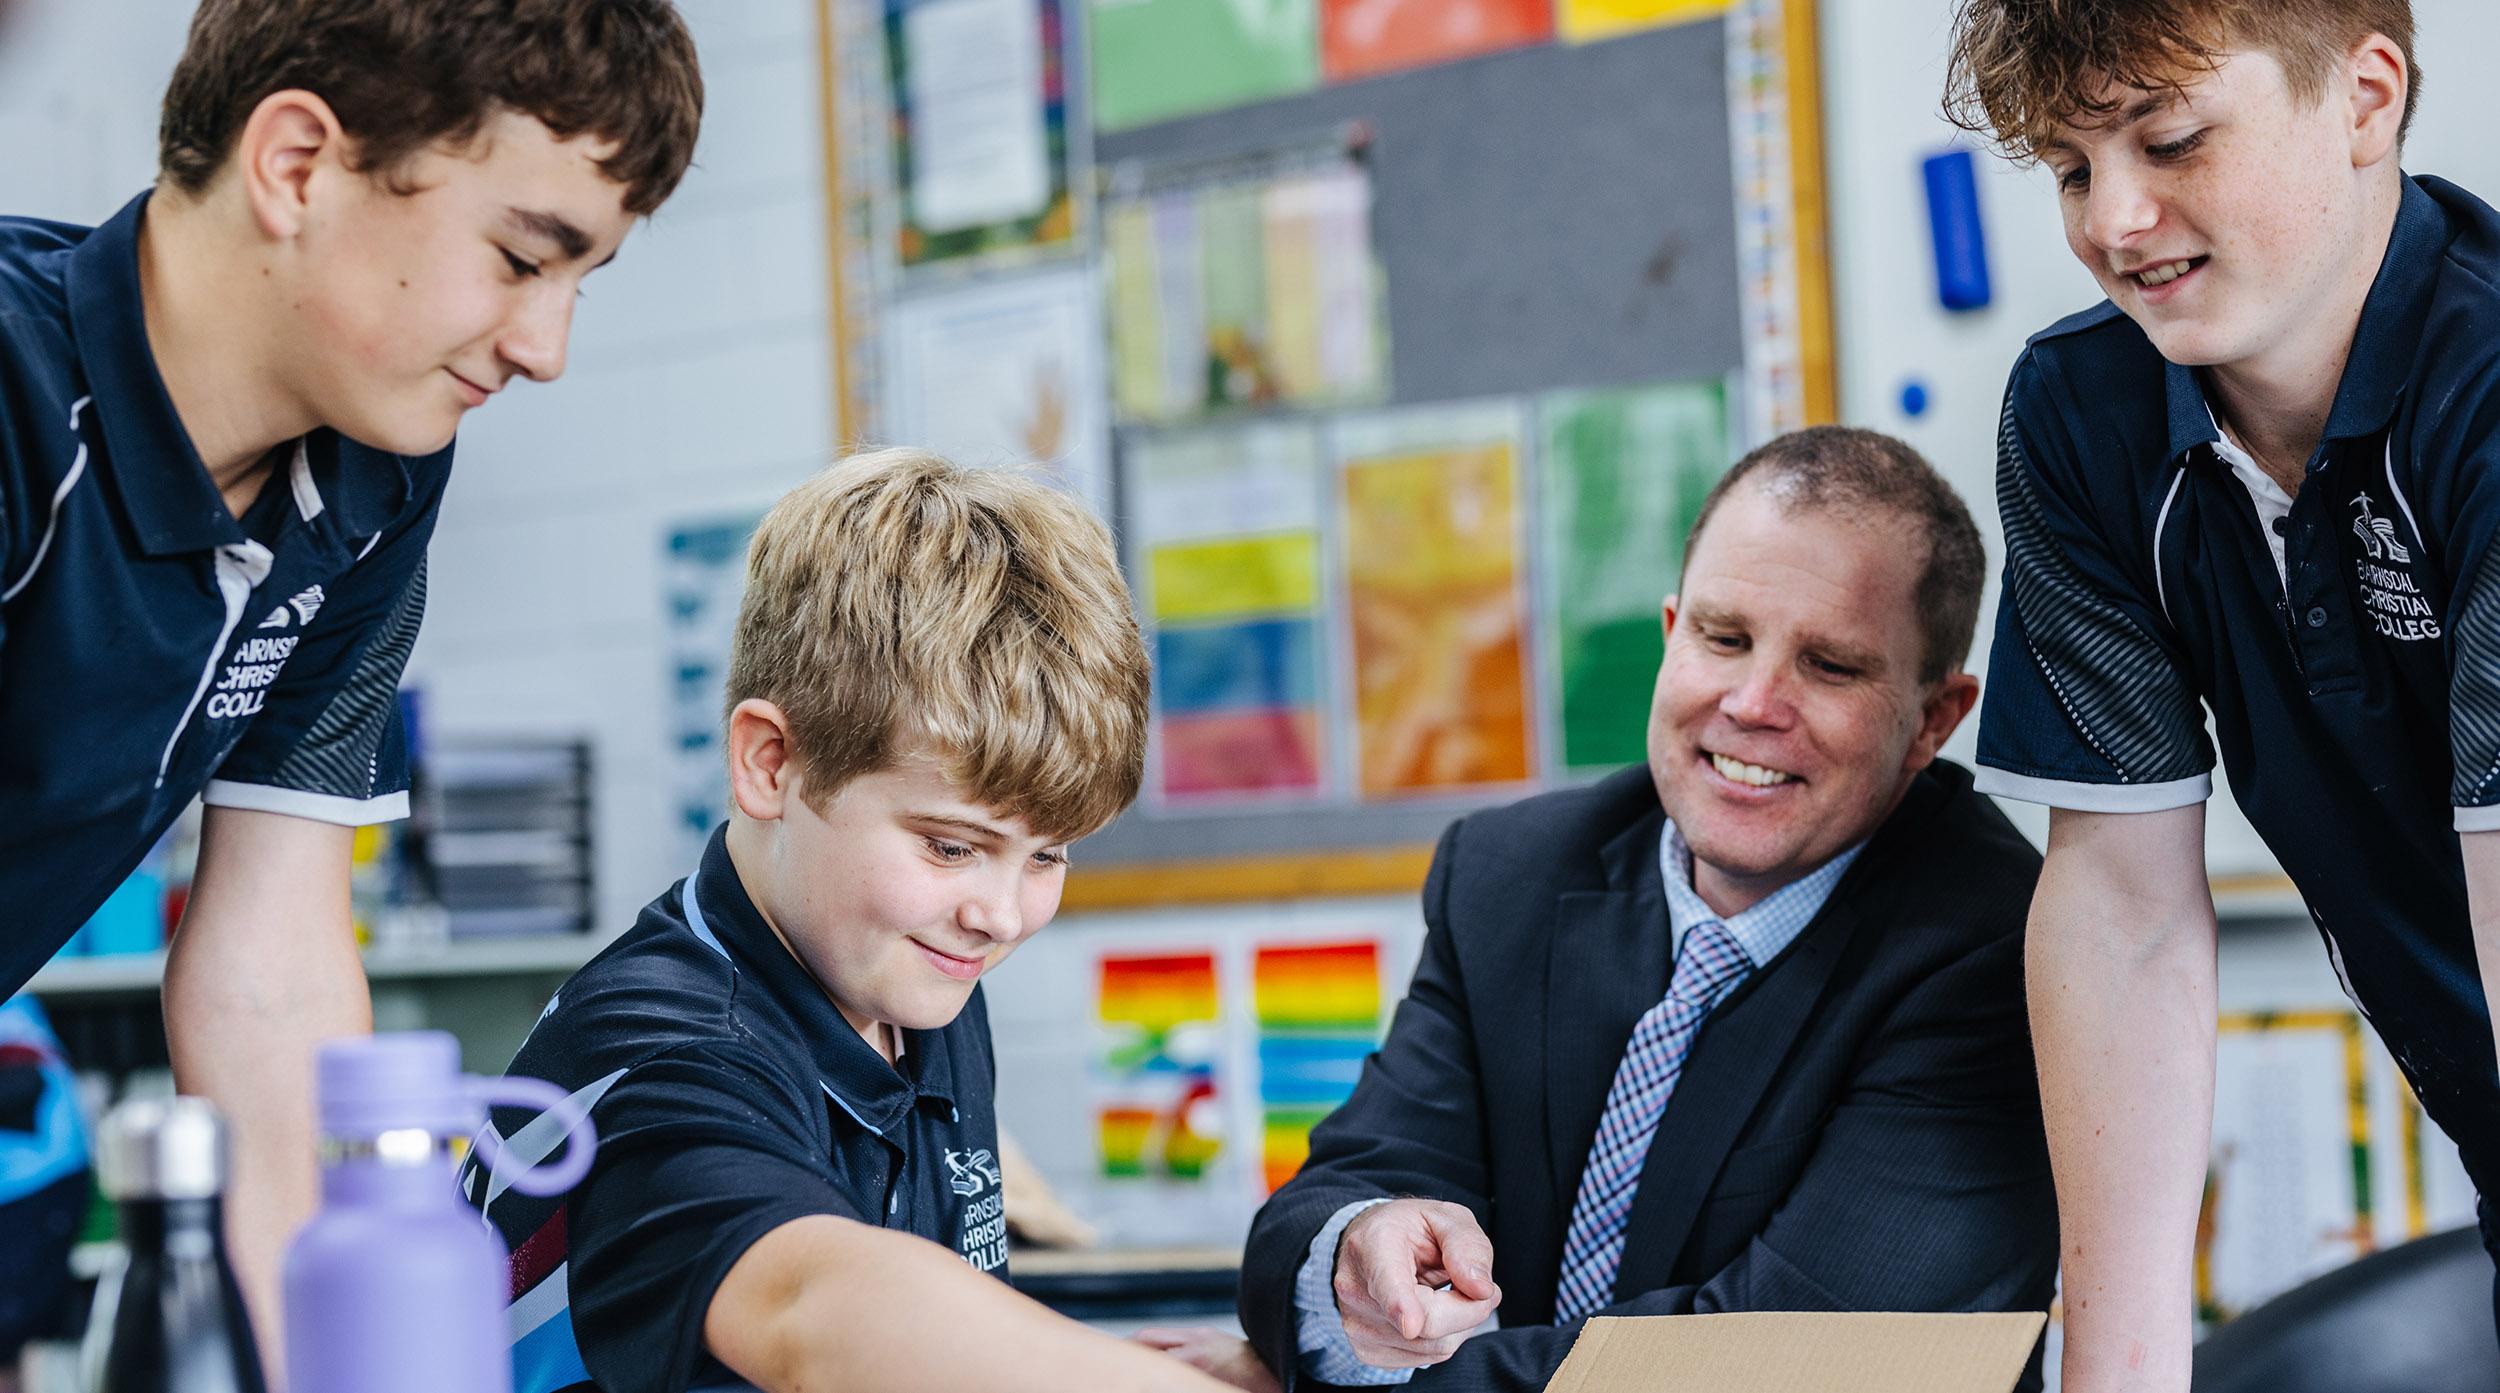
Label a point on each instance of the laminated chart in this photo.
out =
(1361, 38)
(1624, 475)
(2288, 1192)
(1433, 574)
(1318, 1007)
(1243, 285)
(1161, 1110)
(1226, 527)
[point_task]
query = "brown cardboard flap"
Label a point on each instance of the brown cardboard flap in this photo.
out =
(1800, 1352)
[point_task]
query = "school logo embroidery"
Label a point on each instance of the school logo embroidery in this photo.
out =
(2377, 534)
(972, 1171)
(975, 1173)
(2396, 606)
(299, 610)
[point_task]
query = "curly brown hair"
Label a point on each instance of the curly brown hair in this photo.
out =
(404, 74)
(2019, 69)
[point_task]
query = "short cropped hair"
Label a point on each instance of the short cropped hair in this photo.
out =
(1844, 468)
(402, 75)
(2021, 68)
(897, 602)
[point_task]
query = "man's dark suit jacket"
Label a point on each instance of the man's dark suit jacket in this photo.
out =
(1857, 1127)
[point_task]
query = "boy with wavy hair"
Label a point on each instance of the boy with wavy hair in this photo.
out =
(936, 684)
(2260, 481)
(225, 427)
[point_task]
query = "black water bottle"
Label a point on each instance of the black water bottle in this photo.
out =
(168, 1318)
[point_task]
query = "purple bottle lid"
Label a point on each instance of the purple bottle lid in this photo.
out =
(382, 1083)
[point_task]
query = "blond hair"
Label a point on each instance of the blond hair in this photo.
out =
(898, 601)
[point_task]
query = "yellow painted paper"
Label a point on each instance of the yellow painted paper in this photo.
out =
(1581, 21)
(1231, 577)
(1136, 316)
(1432, 574)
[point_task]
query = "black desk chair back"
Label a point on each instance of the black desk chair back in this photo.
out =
(2413, 1319)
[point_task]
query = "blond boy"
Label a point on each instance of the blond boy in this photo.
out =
(935, 687)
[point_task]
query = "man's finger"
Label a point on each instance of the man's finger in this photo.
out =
(1447, 1315)
(1466, 1252)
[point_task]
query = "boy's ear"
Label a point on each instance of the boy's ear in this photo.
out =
(2377, 79)
(288, 137)
(762, 776)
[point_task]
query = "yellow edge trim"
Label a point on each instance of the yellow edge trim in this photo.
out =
(1817, 361)
(846, 415)
(1390, 870)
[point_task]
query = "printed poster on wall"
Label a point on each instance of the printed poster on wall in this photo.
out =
(1362, 38)
(1584, 21)
(703, 576)
(1225, 531)
(1004, 371)
(1244, 293)
(2288, 1193)
(980, 126)
(1157, 59)
(1434, 575)
(1625, 472)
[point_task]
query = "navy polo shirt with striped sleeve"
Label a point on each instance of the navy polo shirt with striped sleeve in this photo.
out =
(2344, 639)
(153, 646)
(730, 1097)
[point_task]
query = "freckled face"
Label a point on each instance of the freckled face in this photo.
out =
(2220, 218)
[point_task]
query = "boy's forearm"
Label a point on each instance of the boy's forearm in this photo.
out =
(2122, 1019)
(263, 970)
(826, 1302)
(2482, 904)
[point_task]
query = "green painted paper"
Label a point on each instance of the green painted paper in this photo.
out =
(1625, 475)
(1157, 59)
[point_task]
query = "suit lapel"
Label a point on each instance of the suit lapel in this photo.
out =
(1740, 1048)
(1607, 966)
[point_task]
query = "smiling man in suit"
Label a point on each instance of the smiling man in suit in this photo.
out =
(1739, 1031)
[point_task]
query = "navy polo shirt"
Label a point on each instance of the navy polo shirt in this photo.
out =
(154, 647)
(2354, 684)
(730, 1097)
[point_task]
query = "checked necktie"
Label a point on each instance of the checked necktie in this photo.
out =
(1706, 967)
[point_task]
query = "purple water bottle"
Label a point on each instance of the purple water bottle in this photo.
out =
(397, 1285)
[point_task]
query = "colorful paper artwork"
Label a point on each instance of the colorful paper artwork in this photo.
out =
(1162, 1112)
(980, 126)
(1243, 293)
(1625, 473)
(1226, 529)
(1157, 59)
(1318, 1008)
(1361, 38)
(1584, 21)
(1434, 575)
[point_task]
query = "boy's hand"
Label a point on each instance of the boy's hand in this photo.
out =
(1214, 1352)
(1413, 1278)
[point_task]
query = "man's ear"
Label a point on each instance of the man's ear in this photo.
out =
(1940, 715)
(762, 776)
(2376, 80)
(1666, 616)
(287, 138)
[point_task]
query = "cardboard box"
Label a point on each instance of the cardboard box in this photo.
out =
(1800, 1352)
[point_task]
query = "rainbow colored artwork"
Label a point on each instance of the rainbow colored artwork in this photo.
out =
(1318, 1007)
(1146, 1002)
(1321, 986)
